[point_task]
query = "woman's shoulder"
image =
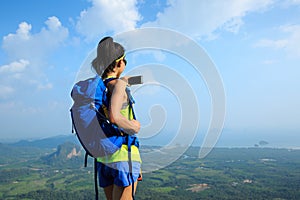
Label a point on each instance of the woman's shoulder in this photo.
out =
(117, 83)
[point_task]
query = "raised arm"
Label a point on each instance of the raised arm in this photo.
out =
(118, 97)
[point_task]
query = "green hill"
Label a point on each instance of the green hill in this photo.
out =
(67, 154)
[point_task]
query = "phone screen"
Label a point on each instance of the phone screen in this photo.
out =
(134, 80)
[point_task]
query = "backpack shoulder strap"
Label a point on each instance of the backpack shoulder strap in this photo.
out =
(96, 179)
(108, 79)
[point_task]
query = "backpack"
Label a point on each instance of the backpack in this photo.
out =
(96, 134)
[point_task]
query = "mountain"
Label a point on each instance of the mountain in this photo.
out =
(51, 142)
(68, 153)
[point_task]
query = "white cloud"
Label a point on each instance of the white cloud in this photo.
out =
(290, 44)
(10, 75)
(233, 25)
(108, 16)
(53, 23)
(46, 86)
(27, 53)
(25, 45)
(22, 32)
(14, 67)
(203, 18)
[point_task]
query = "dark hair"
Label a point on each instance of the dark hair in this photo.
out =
(108, 52)
(108, 69)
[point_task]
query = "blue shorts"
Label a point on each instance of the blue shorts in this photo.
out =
(117, 173)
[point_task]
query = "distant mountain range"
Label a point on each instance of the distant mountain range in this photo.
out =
(51, 142)
(64, 150)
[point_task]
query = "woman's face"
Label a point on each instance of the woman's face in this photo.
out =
(122, 65)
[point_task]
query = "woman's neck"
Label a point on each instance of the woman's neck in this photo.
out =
(112, 74)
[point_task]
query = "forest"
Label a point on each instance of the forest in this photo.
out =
(32, 172)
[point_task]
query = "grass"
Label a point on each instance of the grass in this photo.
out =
(163, 189)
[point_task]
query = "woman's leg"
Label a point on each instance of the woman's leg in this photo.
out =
(123, 193)
(109, 192)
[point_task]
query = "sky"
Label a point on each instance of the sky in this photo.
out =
(254, 45)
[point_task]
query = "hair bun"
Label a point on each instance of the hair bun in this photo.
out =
(107, 52)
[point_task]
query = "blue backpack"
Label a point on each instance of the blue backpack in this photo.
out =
(96, 134)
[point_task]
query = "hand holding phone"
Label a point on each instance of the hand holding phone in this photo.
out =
(134, 80)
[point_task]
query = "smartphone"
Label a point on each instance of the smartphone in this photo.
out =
(134, 80)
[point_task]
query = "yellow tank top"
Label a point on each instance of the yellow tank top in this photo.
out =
(122, 153)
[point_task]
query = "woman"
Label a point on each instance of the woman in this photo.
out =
(115, 170)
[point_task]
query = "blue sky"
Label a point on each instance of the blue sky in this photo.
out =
(253, 43)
